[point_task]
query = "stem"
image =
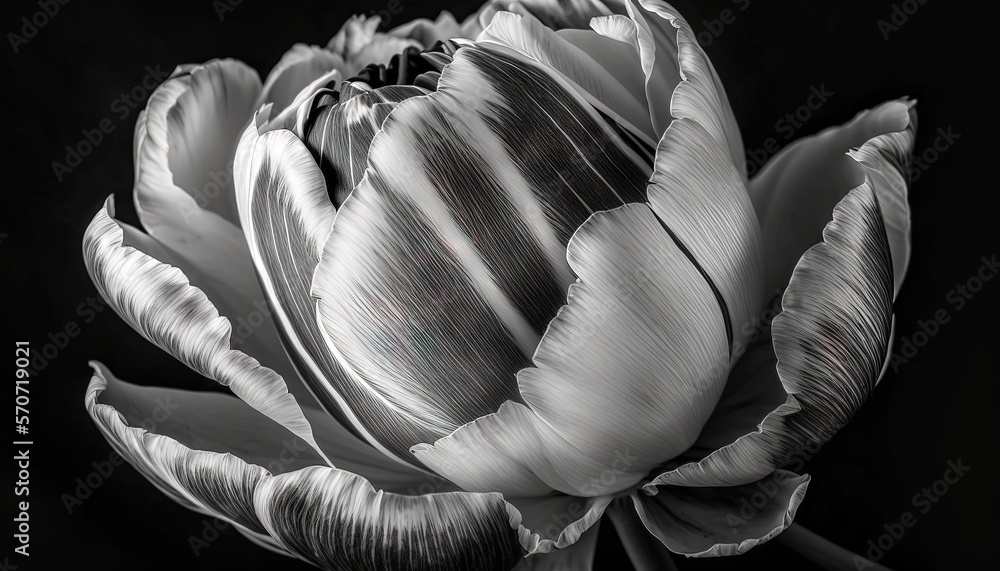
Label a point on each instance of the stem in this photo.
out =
(644, 549)
(823, 552)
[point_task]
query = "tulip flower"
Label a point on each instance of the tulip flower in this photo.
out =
(474, 286)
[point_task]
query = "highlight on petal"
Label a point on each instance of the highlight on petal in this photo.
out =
(700, 197)
(624, 377)
(159, 302)
(296, 70)
(831, 341)
(796, 190)
(712, 522)
(326, 516)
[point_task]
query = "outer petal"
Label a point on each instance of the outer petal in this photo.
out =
(192, 117)
(221, 423)
(626, 374)
(795, 191)
(158, 301)
(710, 522)
(831, 340)
(700, 96)
(329, 517)
(184, 146)
(445, 355)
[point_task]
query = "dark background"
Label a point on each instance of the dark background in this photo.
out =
(940, 405)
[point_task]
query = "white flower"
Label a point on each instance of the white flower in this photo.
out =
(469, 297)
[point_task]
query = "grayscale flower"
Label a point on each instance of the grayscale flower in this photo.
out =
(474, 284)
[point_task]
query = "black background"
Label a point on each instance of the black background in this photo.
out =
(940, 405)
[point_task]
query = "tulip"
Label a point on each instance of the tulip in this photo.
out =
(475, 285)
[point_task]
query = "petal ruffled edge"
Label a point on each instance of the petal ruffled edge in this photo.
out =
(715, 522)
(831, 340)
(328, 517)
(159, 302)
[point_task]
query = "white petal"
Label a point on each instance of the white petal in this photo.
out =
(700, 197)
(158, 301)
(318, 513)
(626, 374)
(831, 340)
(797, 189)
(528, 36)
(432, 305)
(714, 522)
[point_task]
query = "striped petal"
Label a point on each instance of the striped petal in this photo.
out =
(795, 192)
(326, 516)
(339, 134)
(159, 302)
(831, 340)
(217, 483)
(297, 69)
(220, 423)
(712, 522)
(287, 216)
(624, 378)
(440, 276)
